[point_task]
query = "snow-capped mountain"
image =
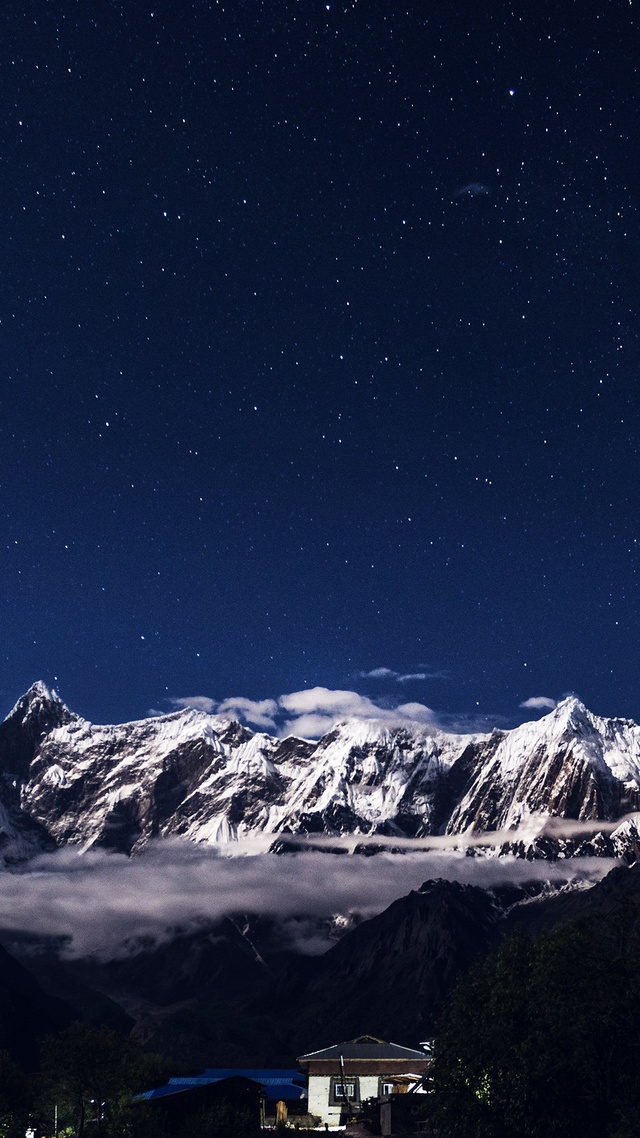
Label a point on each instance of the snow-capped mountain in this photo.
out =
(64, 780)
(569, 764)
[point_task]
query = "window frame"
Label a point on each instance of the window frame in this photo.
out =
(349, 1081)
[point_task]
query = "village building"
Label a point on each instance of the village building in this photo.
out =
(183, 1100)
(343, 1076)
(270, 1095)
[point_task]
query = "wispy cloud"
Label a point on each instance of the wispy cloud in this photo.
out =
(401, 677)
(539, 703)
(378, 674)
(473, 190)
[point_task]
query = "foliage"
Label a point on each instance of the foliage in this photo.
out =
(220, 1120)
(14, 1098)
(91, 1073)
(143, 1120)
(542, 1038)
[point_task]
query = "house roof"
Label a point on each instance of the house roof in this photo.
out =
(364, 1047)
(179, 1086)
(277, 1084)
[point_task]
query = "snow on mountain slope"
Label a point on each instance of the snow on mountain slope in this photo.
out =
(570, 764)
(209, 779)
(64, 780)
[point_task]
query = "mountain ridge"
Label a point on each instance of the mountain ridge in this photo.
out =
(206, 778)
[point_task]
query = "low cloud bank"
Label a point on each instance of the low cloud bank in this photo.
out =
(98, 901)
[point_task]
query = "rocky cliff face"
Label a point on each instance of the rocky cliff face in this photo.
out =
(393, 971)
(66, 781)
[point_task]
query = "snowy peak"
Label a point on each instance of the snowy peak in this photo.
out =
(569, 764)
(39, 700)
(572, 716)
(38, 712)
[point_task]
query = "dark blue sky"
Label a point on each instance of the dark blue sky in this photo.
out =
(319, 351)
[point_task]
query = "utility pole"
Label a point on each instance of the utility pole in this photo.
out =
(344, 1087)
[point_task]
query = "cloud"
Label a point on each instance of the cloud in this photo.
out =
(197, 702)
(314, 711)
(531, 828)
(400, 677)
(98, 901)
(415, 712)
(258, 712)
(334, 701)
(310, 712)
(472, 190)
(378, 674)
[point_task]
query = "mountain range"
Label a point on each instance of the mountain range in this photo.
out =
(205, 778)
(235, 990)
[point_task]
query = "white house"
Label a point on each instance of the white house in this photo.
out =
(343, 1076)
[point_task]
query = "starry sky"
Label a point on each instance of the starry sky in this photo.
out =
(319, 352)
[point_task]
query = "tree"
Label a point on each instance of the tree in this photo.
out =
(14, 1098)
(91, 1075)
(542, 1038)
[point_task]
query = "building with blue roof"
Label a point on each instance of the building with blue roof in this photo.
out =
(273, 1086)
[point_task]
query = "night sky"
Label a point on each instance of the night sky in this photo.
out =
(319, 352)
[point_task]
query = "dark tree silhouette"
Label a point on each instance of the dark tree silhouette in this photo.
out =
(542, 1038)
(15, 1097)
(92, 1074)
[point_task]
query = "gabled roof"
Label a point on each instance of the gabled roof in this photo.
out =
(277, 1084)
(364, 1047)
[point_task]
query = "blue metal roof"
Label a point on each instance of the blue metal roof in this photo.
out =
(278, 1084)
(281, 1075)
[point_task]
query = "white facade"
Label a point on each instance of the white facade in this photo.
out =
(319, 1087)
(345, 1075)
(321, 1098)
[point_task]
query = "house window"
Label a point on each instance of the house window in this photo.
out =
(386, 1087)
(343, 1090)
